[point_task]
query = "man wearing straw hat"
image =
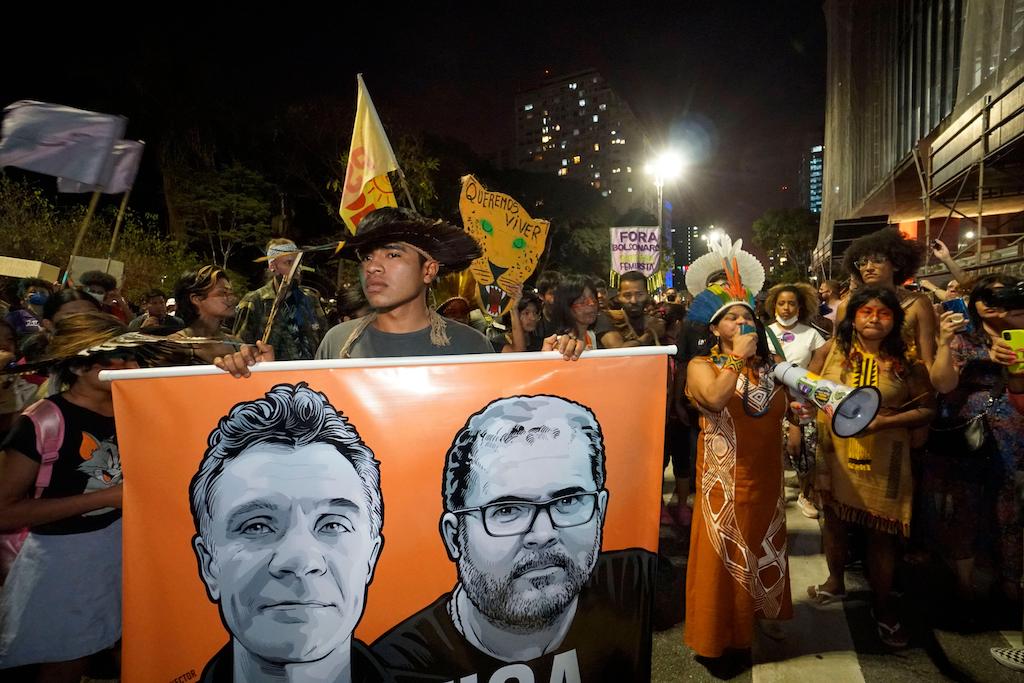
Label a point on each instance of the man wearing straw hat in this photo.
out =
(400, 253)
(299, 323)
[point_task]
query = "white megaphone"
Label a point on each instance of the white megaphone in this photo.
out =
(850, 409)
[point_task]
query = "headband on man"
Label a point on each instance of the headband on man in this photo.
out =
(285, 249)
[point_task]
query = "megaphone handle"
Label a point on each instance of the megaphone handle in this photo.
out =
(804, 420)
(802, 400)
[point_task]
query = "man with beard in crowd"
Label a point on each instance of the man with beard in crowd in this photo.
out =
(631, 326)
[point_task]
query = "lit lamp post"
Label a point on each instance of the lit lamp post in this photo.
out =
(711, 235)
(666, 167)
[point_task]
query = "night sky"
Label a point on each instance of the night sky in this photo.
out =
(738, 87)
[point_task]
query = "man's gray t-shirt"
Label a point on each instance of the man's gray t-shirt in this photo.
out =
(376, 344)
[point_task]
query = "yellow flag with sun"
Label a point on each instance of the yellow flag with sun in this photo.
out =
(370, 158)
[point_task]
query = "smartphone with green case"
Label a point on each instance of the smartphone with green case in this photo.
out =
(1015, 338)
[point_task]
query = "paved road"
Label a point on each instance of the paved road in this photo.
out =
(838, 643)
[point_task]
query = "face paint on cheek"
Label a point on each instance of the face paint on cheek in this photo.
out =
(867, 313)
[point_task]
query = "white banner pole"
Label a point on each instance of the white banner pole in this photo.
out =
(292, 365)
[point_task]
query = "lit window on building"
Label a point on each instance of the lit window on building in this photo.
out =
(557, 128)
(563, 171)
(595, 118)
(597, 175)
(572, 86)
(816, 148)
(597, 147)
(544, 129)
(583, 103)
(629, 169)
(602, 107)
(605, 193)
(528, 107)
(565, 162)
(546, 138)
(616, 170)
(577, 159)
(564, 143)
(630, 189)
(614, 132)
(576, 131)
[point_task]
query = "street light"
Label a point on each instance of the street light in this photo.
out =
(667, 166)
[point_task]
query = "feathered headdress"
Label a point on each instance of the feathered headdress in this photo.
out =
(148, 350)
(744, 277)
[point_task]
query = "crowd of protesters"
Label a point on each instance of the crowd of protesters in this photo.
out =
(928, 480)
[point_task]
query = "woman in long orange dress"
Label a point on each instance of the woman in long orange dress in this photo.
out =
(738, 570)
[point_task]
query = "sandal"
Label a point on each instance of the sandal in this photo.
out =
(895, 636)
(1009, 657)
(822, 597)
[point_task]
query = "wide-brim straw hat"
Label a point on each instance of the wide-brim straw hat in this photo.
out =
(451, 246)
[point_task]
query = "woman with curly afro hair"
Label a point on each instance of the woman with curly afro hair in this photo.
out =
(886, 259)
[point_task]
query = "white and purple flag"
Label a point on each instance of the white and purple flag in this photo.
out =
(127, 155)
(60, 141)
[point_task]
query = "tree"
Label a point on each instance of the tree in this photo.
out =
(788, 234)
(419, 169)
(32, 227)
(225, 210)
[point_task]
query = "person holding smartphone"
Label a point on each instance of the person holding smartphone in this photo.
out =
(970, 373)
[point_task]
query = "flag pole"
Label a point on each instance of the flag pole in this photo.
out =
(117, 228)
(81, 233)
(405, 188)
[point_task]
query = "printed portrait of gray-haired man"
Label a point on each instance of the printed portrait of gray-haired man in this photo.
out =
(288, 515)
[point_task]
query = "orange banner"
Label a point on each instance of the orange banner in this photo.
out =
(514, 518)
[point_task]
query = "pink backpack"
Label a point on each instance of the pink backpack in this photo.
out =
(49, 425)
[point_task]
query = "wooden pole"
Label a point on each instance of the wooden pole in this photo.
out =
(81, 233)
(282, 292)
(117, 228)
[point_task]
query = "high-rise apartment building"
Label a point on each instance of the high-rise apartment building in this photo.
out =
(575, 126)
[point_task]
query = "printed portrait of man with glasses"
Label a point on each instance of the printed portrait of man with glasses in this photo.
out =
(525, 501)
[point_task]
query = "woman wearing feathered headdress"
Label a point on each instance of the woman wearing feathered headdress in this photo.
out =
(738, 569)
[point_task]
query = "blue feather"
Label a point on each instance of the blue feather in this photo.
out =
(704, 306)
